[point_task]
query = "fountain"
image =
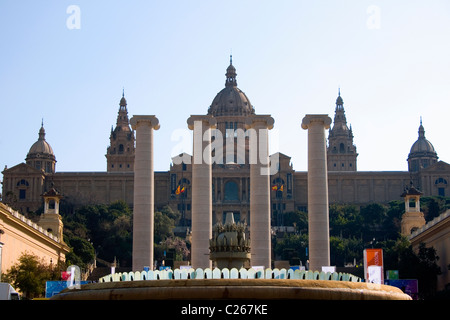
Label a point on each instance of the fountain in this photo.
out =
(229, 247)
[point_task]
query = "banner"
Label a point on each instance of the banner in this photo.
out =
(373, 257)
(408, 286)
(55, 287)
(375, 274)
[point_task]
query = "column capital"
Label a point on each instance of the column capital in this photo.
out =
(209, 120)
(259, 121)
(310, 119)
(152, 121)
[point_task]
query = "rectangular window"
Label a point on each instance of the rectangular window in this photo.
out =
(441, 192)
(231, 126)
(22, 194)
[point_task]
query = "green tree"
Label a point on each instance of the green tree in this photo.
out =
(182, 252)
(421, 266)
(106, 229)
(82, 252)
(392, 223)
(345, 221)
(345, 250)
(299, 219)
(292, 247)
(29, 275)
(163, 226)
(432, 207)
(165, 221)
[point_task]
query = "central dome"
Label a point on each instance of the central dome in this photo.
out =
(422, 146)
(41, 154)
(41, 148)
(231, 101)
(422, 153)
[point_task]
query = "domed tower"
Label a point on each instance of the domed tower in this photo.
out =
(341, 152)
(120, 153)
(41, 156)
(231, 101)
(230, 107)
(422, 153)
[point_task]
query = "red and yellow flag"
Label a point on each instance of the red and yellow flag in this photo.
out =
(180, 190)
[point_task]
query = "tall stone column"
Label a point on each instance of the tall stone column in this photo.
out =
(201, 206)
(260, 239)
(318, 211)
(143, 206)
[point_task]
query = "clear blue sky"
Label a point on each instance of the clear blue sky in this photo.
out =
(391, 60)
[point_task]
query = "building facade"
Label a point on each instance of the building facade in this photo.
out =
(436, 234)
(23, 184)
(19, 235)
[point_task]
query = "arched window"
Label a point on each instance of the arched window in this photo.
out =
(23, 186)
(440, 181)
(184, 181)
(441, 184)
(341, 148)
(23, 182)
(278, 181)
(51, 204)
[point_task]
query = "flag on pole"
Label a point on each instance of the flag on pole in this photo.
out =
(180, 190)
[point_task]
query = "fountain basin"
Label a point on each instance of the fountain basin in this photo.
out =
(233, 289)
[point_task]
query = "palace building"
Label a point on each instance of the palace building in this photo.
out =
(24, 183)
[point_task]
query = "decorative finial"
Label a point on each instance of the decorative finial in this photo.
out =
(42, 131)
(339, 101)
(123, 101)
(231, 74)
(420, 120)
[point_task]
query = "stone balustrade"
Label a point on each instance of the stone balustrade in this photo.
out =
(29, 222)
